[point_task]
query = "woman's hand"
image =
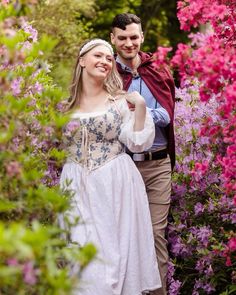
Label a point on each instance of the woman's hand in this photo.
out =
(134, 99)
(137, 104)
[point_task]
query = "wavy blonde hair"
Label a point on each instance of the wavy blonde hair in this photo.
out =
(113, 83)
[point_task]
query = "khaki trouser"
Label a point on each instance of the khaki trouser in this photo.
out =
(157, 177)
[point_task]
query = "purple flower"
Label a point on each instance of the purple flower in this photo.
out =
(16, 86)
(171, 271)
(34, 142)
(233, 218)
(211, 206)
(203, 265)
(198, 284)
(225, 217)
(49, 131)
(61, 106)
(203, 235)
(71, 128)
(209, 271)
(208, 288)
(177, 247)
(27, 45)
(225, 202)
(174, 287)
(32, 103)
(198, 209)
(33, 33)
(16, 143)
(51, 175)
(37, 88)
(179, 190)
(213, 178)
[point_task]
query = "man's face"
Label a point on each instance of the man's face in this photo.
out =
(127, 42)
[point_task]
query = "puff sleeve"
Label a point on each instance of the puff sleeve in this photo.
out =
(135, 141)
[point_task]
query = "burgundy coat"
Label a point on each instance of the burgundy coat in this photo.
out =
(161, 84)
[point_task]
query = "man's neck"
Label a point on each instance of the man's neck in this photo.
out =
(131, 63)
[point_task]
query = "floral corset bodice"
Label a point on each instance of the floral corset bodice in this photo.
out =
(93, 139)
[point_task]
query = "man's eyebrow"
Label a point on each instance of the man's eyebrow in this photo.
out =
(123, 36)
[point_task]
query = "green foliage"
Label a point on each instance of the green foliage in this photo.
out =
(34, 259)
(160, 24)
(105, 12)
(30, 260)
(70, 23)
(74, 21)
(159, 21)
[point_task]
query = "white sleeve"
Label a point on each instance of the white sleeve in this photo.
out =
(135, 141)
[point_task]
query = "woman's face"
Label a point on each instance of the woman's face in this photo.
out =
(97, 63)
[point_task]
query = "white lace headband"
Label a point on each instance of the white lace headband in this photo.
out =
(96, 42)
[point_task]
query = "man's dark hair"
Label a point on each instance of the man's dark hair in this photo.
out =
(122, 20)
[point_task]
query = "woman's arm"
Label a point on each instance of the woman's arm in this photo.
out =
(139, 109)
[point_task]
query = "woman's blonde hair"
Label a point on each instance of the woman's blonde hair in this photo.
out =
(113, 83)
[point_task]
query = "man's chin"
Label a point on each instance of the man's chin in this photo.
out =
(129, 56)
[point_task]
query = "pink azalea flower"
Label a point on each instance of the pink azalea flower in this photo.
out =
(13, 169)
(232, 244)
(29, 273)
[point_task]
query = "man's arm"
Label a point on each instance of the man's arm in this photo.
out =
(160, 116)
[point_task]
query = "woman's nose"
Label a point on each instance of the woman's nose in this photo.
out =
(104, 60)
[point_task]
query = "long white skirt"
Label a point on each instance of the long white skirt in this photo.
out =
(114, 214)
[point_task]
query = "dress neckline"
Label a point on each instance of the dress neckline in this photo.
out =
(88, 114)
(77, 113)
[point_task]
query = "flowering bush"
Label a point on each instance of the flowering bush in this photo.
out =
(34, 260)
(204, 215)
(202, 238)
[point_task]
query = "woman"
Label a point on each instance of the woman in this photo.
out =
(109, 194)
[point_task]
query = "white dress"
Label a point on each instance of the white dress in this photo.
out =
(111, 201)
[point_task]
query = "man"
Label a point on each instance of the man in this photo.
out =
(156, 85)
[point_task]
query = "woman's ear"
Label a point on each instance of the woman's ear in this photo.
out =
(81, 62)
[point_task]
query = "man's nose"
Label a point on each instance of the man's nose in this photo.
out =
(128, 43)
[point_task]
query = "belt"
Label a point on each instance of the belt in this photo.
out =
(148, 156)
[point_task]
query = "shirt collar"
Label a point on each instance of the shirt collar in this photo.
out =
(123, 66)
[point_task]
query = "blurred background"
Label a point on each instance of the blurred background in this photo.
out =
(71, 22)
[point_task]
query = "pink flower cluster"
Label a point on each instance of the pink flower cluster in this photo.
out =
(212, 60)
(199, 170)
(192, 13)
(28, 270)
(202, 212)
(204, 190)
(161, 56)
(230, 251)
